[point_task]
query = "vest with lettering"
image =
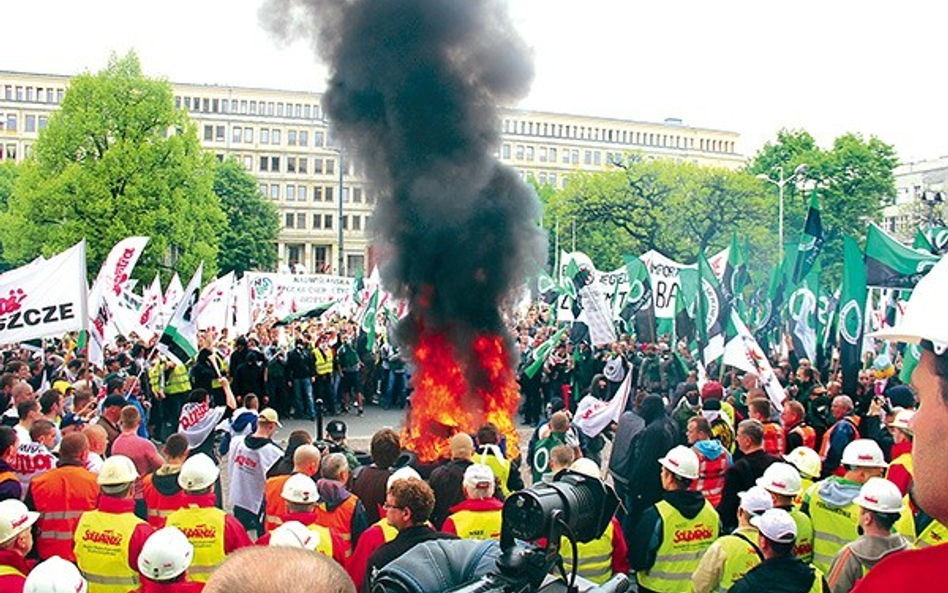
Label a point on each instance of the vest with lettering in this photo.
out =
(204, 527)
(595, 557)
(248, 468)
(803, 545)
(339, 519)
(806, 433)
(833, 528)
(741, 555)
(159, 505)
(807, 483)
(934, 534)
(274, 503)
(775, 441)
(494, 459)
(684, 541)
(477, 524)
(61, 496)
(710, 480)
(102, 551)
(324, 546)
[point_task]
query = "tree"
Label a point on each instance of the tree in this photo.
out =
(249, 239)
(854, 181)
(117, 160)
(9, 171)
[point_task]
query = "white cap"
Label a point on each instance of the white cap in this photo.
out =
(301, 489)
(55, 575)
(166, 554)
(880, 495)
(402, 473)
(863, 453)
(294, 534)
(15, 518)
(117, 470)
(197, 473)
(781, 478)
(756, 500)
(806, 460)
(902, 420)
(776, 525)
(587, 467)
(478, 476)
(682, 462)
(923, 319)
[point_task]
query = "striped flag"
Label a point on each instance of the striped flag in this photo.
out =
(180, 336)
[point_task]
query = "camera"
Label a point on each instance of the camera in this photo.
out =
(534, 521)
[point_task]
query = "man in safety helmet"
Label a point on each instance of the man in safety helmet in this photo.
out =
(924, 324)
(830, 502)
(306, 461)
(669, 539)
(214, 533)
(808, 463)
(55, 575)
(880, 506)
(731, 556)
(901, 467)
(109, 539)
(300, 496)
(164, 563)
(16, 541)
(783, 482)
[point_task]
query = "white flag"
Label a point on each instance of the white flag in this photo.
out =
(594, 415)
(180, 336)
(215, 306)
(744, 353)
(46, 298)
(151, 305)
(113, 276)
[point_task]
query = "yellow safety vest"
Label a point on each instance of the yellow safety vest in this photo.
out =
(803, 545)
(324, 546)
(204, 527)
(684, 541)
(323, 363)
(477, 524)
(905, 460)
(595, 557)
(498, 465)
(806, 483)
(102, 549)
(388, 532)
(934, 533)
(741, 555)
(8, 571)
(833, 528)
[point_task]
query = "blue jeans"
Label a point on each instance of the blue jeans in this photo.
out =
(303, 397)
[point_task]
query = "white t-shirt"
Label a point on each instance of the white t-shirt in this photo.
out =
(248, 472)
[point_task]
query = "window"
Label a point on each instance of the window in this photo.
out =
(243, 106)
(234, 105)
(597, 158)
(552, 179)
(219, 133)
(320, 257)
(300, 220)
(263, 189)
(330, 166)
(328, 194)
(248, 135)
(206, 104)
(280, 109)
(275, 191)
(264, 163)
(43, 122)
(519, 152)
(208, 133)
(19, 93)
(236, 134)
(215, 105)
(291, 164)
(319, 139)
(306, 111)
(318, 166)
(275, 136)
(11, 122)
(60, 93)
(353, 263)
(291, 137)
(530, 153)
(574, 155)
(297, 110)
(304, 137)
(542, 178)
(264, 136)
(248, 162)
(31, 94)
(566, 157)
(505, 151)
(302, 164)
(269, 108)
(317, 221)
(301, 193)
(327, 222)
(275, 163)
(29, 124)
(357, 195)
(357, 223)
(289, 220)
(317, 193)
(253, 108)
(291, 193)
(8, 92)
(552, 155)
(345, 222)
(587, 157)
(543, 154)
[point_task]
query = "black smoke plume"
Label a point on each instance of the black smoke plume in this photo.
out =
(414, 90)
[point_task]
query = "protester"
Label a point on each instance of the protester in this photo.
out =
(369, 482)
(446, 480)
(242, 573)
(160, 489)
(16, 541)
(743, 475)
(164, 562)
(250, 460)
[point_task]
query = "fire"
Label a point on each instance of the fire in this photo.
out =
(445, 402)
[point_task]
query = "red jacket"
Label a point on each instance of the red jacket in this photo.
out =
(235, 536)
(910, 571)
(371, 539)
(150, 586)
(899, 474)
(13, 583)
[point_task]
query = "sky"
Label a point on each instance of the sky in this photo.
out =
(828, 67)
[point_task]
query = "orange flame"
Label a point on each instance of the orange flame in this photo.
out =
(445, 403)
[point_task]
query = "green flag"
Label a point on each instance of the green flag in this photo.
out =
(640, 290)
(358, 285)
(909, 361)
(811, 241)
(545, 283)
(852, 307)
(712, 312)
(922, 242)
(735, 271)
(369, 319)
(889, 264)
(543, 352)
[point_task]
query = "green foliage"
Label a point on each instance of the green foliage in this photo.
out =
(249, 240)
(117, 160)
(853, 179)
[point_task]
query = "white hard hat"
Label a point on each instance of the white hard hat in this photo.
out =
(402, 473)
(880, 495)
(922, 320)
(902, 419)
(166, 554)
(756, 500)
(776, 525)
(55, 575)
(806, 460)
(15, 518)
(781, 478)
(294, 534)
(117, 470)
(863, 453)
(300, 488)
(197, 473)
(682, 462)
(587, 467)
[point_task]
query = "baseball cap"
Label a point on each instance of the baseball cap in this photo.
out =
(478, 475)
(270, 415)
(776, 525)
(114, 400)
(336, 429)
(71, 420)
(756, 500)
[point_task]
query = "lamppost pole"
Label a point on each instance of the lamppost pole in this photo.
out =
(340, 257)
(799, 172)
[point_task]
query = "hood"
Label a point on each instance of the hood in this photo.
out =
(688, 502)
(332, 493)
(838, 492)
(710, 448)
(870, 549)
(652, 408)
(794, 576)
(253, 442)
(165, 480)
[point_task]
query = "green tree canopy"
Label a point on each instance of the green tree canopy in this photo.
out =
(117, 160)
(249, 240)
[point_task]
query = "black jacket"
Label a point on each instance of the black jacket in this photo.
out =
(778, 575)
(657, 439)
(740, 477)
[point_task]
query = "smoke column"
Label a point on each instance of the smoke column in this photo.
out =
(414, 88)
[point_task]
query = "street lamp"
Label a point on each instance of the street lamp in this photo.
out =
(342, 172)
(799, 172)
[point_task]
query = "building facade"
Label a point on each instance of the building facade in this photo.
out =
(321, 192)
(921, 190)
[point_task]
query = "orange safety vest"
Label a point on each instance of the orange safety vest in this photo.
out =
(339, 519)
(775, 441)
(807, 435)
(61, 496)
(159, 505)
(102, 550)
(275, 505)
(825, 446)
(204, 527)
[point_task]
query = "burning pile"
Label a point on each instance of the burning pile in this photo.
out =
(414, 89)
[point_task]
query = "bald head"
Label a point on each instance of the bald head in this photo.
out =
(74, 447)
(306, 460)
(22, 392)
(98, 438)
(242, 572)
